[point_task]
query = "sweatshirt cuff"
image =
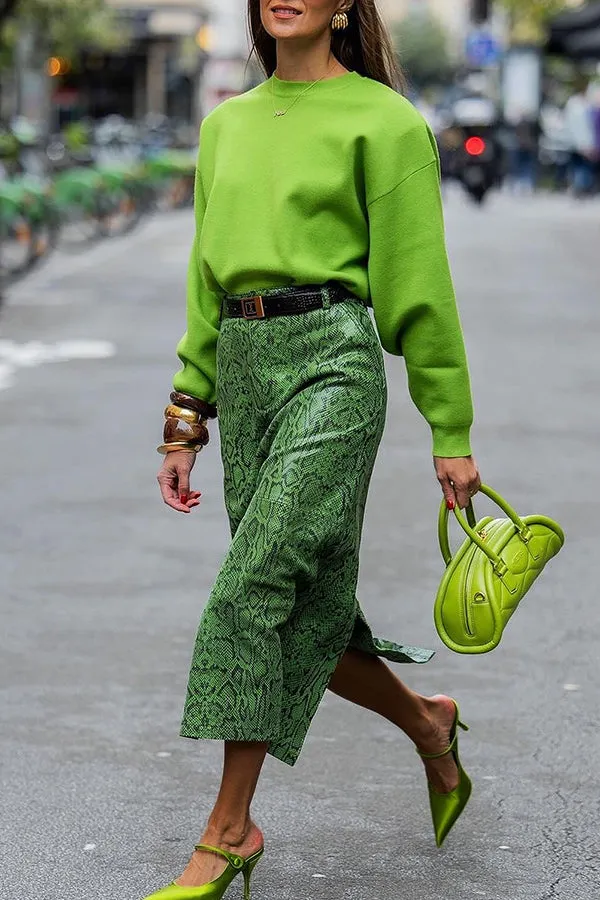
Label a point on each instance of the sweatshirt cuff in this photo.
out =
(191, 381)
(451, 442)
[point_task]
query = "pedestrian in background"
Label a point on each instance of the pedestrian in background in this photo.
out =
(317, 195)
(524, 155)
(580, 127)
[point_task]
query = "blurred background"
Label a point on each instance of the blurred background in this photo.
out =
(101, 101)
(101, 587)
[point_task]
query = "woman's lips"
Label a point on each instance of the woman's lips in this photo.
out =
(283, 13)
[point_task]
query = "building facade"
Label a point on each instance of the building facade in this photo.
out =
(165, 57)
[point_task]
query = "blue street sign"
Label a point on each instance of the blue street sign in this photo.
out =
(483, 49)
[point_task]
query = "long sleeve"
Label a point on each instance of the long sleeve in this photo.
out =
(415, 306)
(197, 349)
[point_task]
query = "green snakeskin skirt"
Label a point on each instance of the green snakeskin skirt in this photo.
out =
(302, 403)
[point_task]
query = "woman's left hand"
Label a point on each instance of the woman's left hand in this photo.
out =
(459, 478)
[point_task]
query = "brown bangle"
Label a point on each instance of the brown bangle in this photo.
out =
(206, 410)
(180, 430)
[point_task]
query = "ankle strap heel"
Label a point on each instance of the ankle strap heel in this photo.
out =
(447, 808)
(214, 890)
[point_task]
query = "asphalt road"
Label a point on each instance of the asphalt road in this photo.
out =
(102, 588)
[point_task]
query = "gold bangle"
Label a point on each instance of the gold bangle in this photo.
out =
(179, 445)
(179, 412)
(179, 430)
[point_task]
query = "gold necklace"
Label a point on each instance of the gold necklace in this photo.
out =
(281, 112)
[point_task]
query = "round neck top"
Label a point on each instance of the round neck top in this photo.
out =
(345, 187)
(291, 88)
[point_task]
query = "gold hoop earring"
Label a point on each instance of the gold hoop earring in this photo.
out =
(339, 21)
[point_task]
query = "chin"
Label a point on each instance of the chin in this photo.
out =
(282, 33)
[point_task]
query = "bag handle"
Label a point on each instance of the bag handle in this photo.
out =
(469, 528)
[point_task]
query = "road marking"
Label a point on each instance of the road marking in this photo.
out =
(15, 356)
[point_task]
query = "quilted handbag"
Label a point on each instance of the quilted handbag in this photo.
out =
(490, 574)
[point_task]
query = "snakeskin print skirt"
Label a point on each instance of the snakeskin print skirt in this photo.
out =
(301, 403)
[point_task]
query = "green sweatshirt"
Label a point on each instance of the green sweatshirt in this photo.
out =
(345, 186)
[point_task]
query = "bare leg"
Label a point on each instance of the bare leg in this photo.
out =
(367, 681)
(229, 825)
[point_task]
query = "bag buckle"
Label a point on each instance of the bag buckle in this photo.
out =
(526, 535)
(500, 568)
(253, 308)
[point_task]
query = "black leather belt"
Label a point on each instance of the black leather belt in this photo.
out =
(289, 301)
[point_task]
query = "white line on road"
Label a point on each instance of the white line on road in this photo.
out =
(15, 356)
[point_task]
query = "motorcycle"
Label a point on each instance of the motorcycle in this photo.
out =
(470, 148)
(479, 164)
(472, 156)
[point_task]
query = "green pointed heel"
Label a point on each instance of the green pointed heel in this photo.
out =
(216, 889)
(447, 808)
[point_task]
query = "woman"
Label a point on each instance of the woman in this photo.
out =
(317, 194)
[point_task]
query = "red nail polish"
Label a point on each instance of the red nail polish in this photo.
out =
(184, 498)
(450, 504)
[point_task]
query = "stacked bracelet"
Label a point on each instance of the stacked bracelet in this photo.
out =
(206, 410)
(185, 424)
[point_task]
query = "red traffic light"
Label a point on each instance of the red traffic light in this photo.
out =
(475, 146)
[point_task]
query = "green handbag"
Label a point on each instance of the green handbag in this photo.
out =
(490, 574)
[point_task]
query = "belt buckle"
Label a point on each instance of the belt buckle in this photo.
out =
(253, 308)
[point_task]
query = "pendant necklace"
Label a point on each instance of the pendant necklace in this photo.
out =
(281, 112)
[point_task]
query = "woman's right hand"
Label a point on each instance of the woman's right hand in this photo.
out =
(174, 481)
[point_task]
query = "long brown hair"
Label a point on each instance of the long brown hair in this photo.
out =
(365, 46)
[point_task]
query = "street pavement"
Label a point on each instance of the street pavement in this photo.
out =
(102, 588)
